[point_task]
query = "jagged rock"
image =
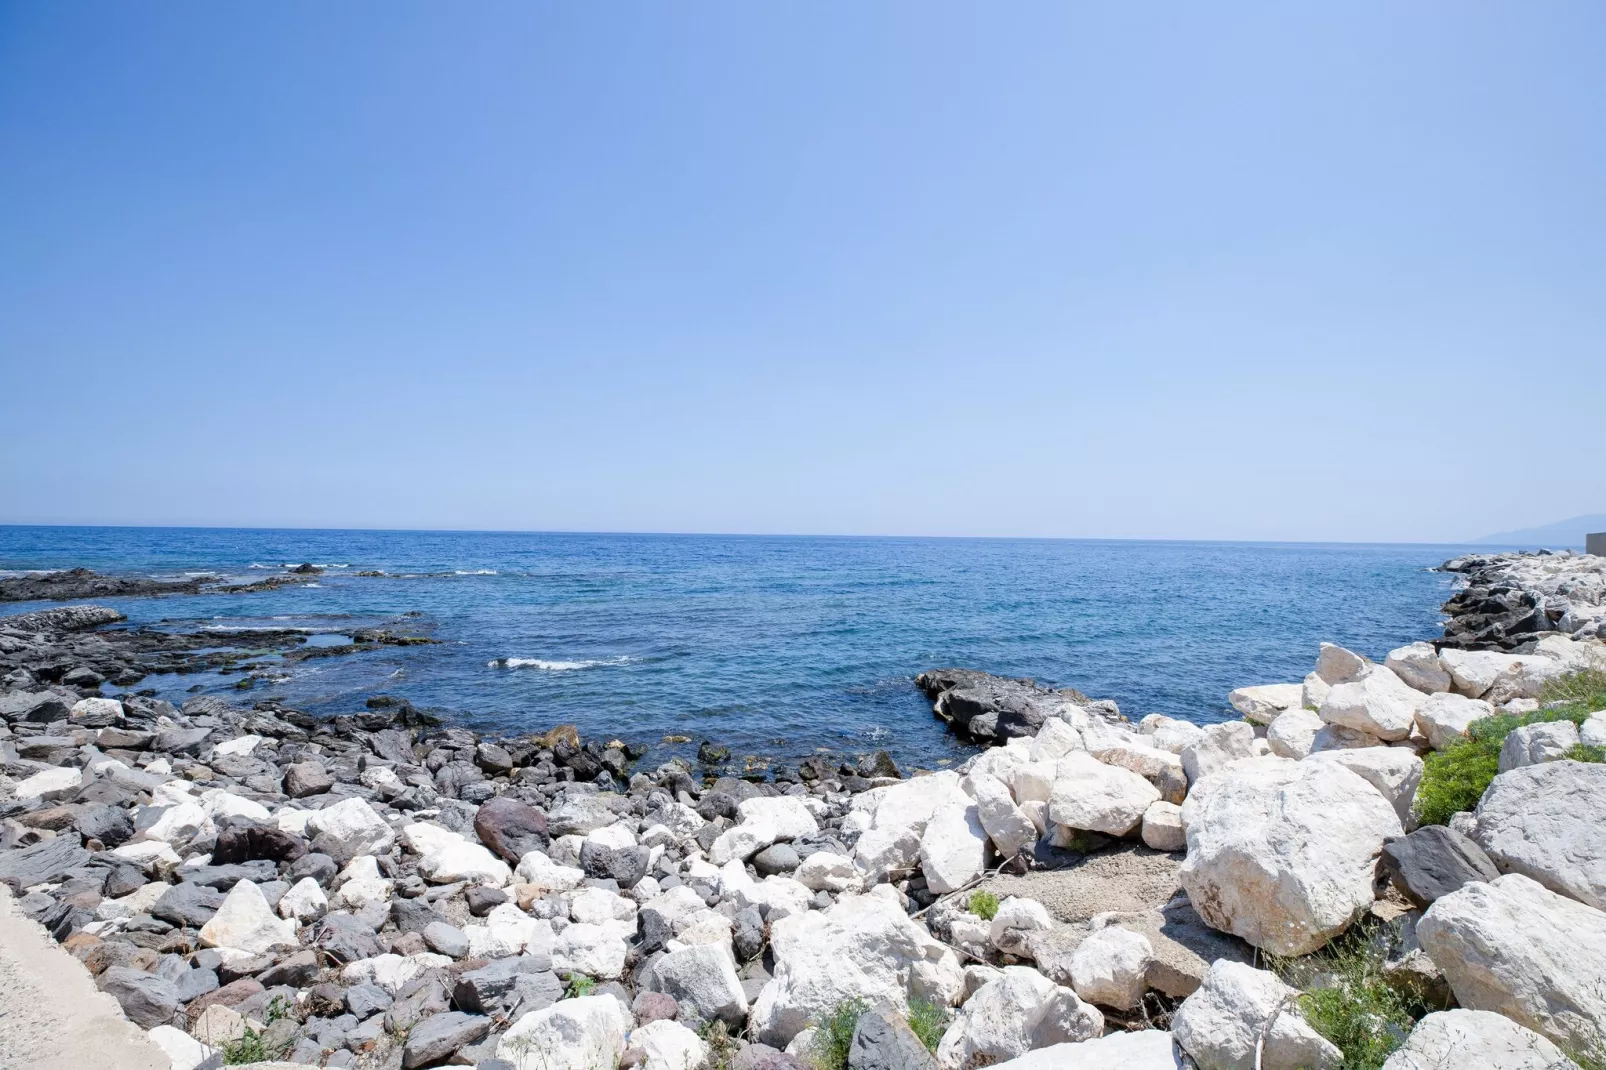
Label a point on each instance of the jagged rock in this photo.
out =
(1098, 798)
(1005, 823)
(864, 947)
(246, 923)
(1335, 665)
(953, 848)
(147, 999)
(1466, 1039)
(1283, 853)
(1013, 1014)
(1240, 1009)
(1417, 664)
(1548, 822)
(573, 1034)
(1378, 702)
(1535, 743)
(44, 861)
(824, 871)
(1220, 744)
(1432, 862)
(702, 978)
(1513, 947)
(1293, 733)
(348, 829)
(187, 904)
(1394, 771)
(1018, 918)
(1264, 703)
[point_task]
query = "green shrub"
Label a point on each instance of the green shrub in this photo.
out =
(928, 1021)
(1584, 752)
(835, 1035)
(983, 904)
(579, 985)
(722, 1047)
(1455, 778)
(250, 1048)
(1348, 1001)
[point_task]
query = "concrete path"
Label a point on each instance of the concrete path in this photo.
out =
(52, 1017)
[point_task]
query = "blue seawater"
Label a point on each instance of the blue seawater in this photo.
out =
(774, 646)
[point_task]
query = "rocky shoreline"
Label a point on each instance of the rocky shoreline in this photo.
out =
(375, 890)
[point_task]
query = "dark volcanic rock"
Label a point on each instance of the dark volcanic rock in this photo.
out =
(982, 706)
(346, 938)
(627, 865)
(884, 1041)
(110, 825)
(441, 1035)
(44, 861)
(82, 583)
(1434, 861)
(511, 828)
(307, 778)
(245, 842)
(188, 904)
(148, 1000)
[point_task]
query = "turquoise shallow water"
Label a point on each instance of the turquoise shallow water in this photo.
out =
(771, 645)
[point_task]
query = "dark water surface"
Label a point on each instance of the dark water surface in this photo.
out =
(771, 645)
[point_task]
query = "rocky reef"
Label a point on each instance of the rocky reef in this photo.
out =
(374, 890)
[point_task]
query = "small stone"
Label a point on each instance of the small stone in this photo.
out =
(446, 939)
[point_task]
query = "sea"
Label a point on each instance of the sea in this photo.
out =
(776, 647)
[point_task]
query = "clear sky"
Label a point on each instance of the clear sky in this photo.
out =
(1263, 271)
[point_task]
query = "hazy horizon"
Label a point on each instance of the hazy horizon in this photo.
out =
(1236, 273)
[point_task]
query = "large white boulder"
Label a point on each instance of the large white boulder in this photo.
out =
(1293, 732)
(669, 1045)
(1262, 704)
(824, 871)
(1532, 744)
(391, 972)
(1012, 926)
(347, 829)
(1109, 967)
(1006, 824)
(305, 902)
(1548, 822)
(743, 841)
(1145, 1049)
(1475, 673)
(1018, 1011)
(1377, 702)
(1394, 771)
(1418, 665)
(1159, 767)
(587, 1033)
(1283, 853)
(790, 818)
(1170, 733)
(1445, 718)
(464, 861)
(908, 804)
(1463, 1039)
(882, 854)
(246, 923)
(865, 947)
(1335, 665)
(953, 848)
(1314, 692)
(702, 979)
(1054, 741)
(544, 875)
(1099, 798)
(49, 783)
(507, 931)
(1219, 745)
(1513, 947)
(1162, 827)
(1241, 1018)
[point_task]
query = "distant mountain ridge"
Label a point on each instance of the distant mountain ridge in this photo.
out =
(1563, 534)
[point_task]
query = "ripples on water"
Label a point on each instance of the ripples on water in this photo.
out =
(771, 645)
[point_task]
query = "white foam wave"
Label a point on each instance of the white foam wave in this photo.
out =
(544, 665)
(298, 564)
(475, 572)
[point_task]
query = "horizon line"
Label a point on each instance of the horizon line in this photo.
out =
(776, 535)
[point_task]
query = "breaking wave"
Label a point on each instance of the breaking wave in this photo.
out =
(544, 665)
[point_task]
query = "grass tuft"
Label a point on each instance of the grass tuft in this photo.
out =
(835, 1036)
(928, 1021)
(579, 985)
(1455, 778)
(983, 904)
(722, 1047)
(1349, 1001)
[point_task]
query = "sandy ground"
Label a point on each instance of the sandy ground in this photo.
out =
(1127, 877)
(52, 1017)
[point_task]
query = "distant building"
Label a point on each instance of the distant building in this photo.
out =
(1596, 543)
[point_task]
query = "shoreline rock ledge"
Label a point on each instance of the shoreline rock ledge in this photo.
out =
(369, 891)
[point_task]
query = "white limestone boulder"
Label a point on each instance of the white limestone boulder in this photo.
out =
(1007, 1017)
(1548, 822)
(1098, 798)
(586, 1033)
(246, 923)
(1145, 1049)
(1475, 673)
(1162, 827)
(1513, 947)
(347, 829)
(1533, 744)
(1261, 704)
(703, 979)
(1108, 968)
(543, 874)
(1446, 718)
(1463, 1040)
(668, 1045)
(1241, 1018)
(305, 902)
(1283, 853)
(1219, 745)
(788, 815)
(1054, 741)
(1170, 733)
(1377, 702)
(865, 947)
(1335, 665)
(597, 951)
(1012, 926)
(1010, 830)
(953, 848)
(743, 841)
(1395, 772)
(1314, 692)
(1292, 734)
(1159, 767)
(1418, 665)
(824, 871)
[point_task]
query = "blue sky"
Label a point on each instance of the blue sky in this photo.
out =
(1181, 271)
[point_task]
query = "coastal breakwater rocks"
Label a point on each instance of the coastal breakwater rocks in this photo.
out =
(370, 891)
(1512, 599)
